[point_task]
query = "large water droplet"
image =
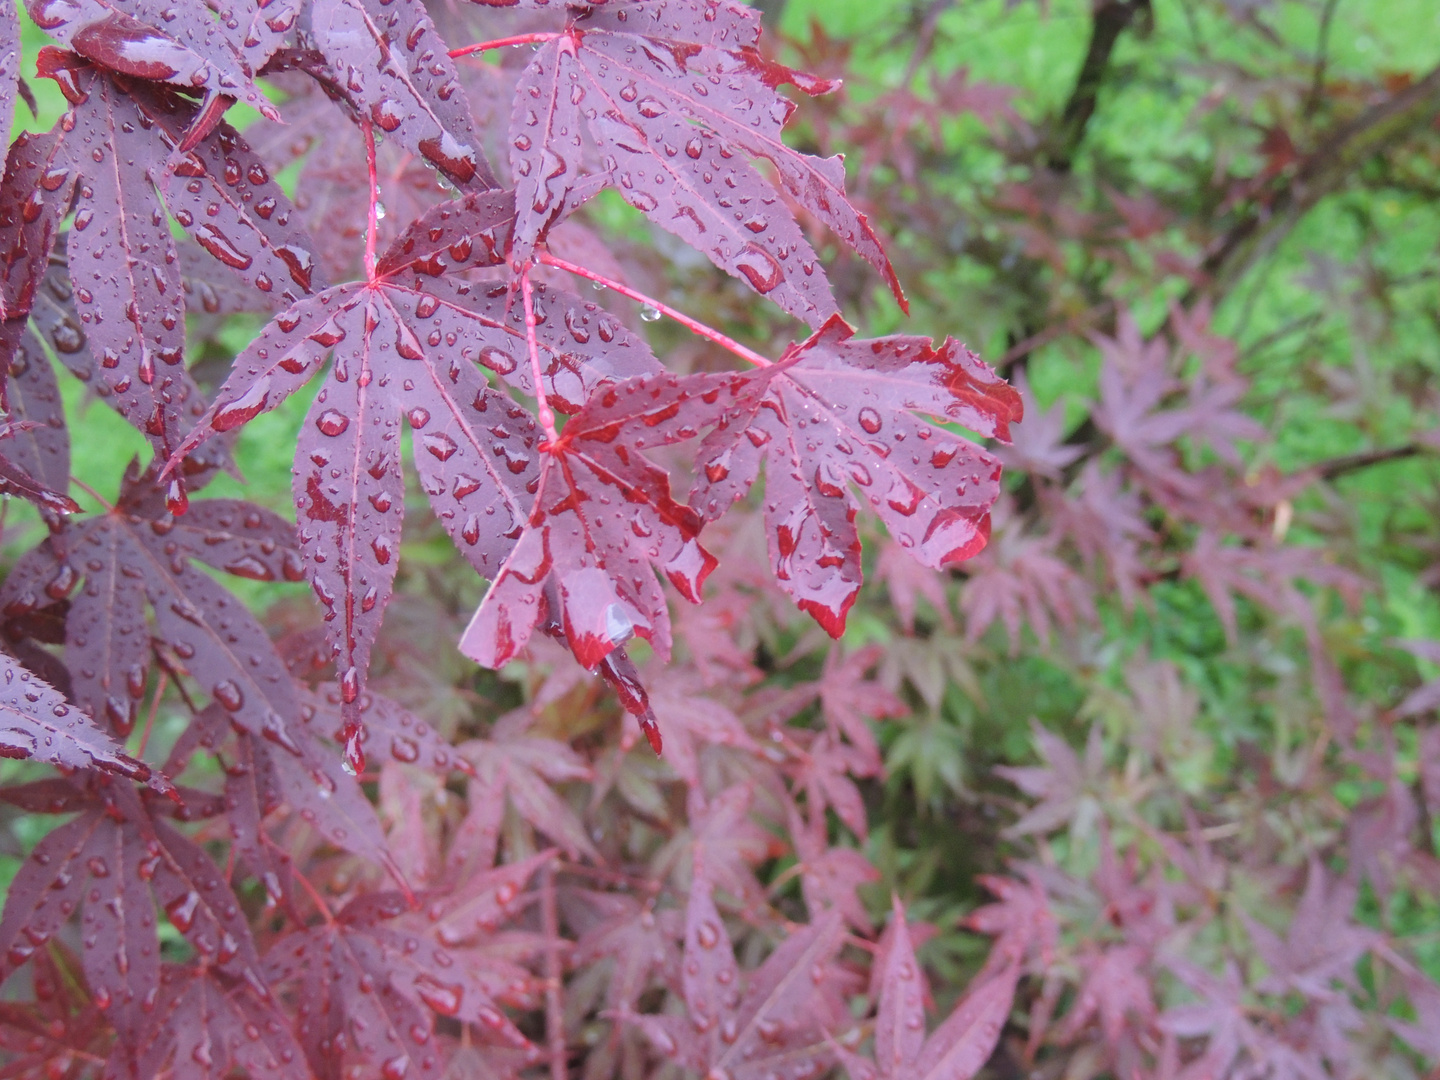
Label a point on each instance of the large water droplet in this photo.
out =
(332, 423)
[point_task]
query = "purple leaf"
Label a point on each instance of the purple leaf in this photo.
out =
(674, 130)
(394, 65)
(182, 45)
(35, 722)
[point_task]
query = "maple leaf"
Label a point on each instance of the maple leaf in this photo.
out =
(959, 1047)
(147, 40)
(366, 985)
(906, 582)
(743, 1033)
(121, 255)
(60, 1023)
(1021, 920)
(1064, 784)
(29, 224)
(139, 556)
(36, 722)
(636, 938)
(209, 1025)
(836, 413)
(603, 516)
(35, 460)
(398, 352)
(390, 62)
(1038, 446)
(1222, 1014)
(113, 856)
(691, 722)
(676, 98)
(518, 768)
(1019, 580)
(297, 771)
(1324, 942)
(830, 875)
(1115, 986)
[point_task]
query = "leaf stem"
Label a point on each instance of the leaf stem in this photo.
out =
(310, 890)
(500, 43)
(547, 414)
(695, 326)
(373, 224)
(92, 493)
(150, 716)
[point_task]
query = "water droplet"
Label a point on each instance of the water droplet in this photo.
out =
(181, 910)
(650, 313)
(229, 696)
(332, 423)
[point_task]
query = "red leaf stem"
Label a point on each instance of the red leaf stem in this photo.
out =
(373, 223)
(500, 43)
(695, 326)
(546, 413)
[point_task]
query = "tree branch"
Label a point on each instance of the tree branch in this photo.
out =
(1112, 18)
(1275, 214)
(1342, 466)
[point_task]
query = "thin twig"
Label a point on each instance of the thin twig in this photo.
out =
(547, 414)
(554, 1004)
(500, 43)
(750, 356)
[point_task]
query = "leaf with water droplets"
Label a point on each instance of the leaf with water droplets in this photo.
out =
(10, 49)
(59, 1023)
(390, 729)
(123, 263)
(303, 774)
(239, 538)
(603, 523)
(205, 1025)
(457, 234)
(35, 194)
(114, 566)
(403, 352)
(181, 44)
(223, 195)
(36, 722)
(37, 443)
(349, 498)
(835, 417)
(355, 1014)
(398, 71)
(961, 1045)
(114, 855)
(710, 978)
(733, 1032)
(425, 962)
(900, 1021)
(678, 100)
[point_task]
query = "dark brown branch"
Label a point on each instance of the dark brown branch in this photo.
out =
(1278, 211)
(1112, 18)
(1342, 466)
